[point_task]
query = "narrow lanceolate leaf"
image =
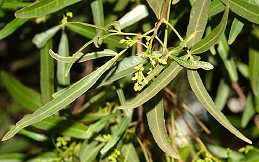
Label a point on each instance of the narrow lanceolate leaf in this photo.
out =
(156, 123)
(224, 53)
(244, 9)
(89, 151)
(129, 152)
(61, 101)
(57, 125)
(98, 17)
(253, 60)
(42, 8)
(116, 135)
(41, 39)
(133, 16)
(88, 31)
(222, 94)
(63, 50)
(216, 6)
(198, 20)
(212, 38)
(235, 30)
(24, 95)
(157, 85)
(249, 111)
(157, 6)
(205, 99)
(11, 27)
(82, 57)
(46, 74)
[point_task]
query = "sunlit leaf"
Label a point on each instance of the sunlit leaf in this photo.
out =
(24, 95)
(213, 37)
(46, 74)
(158, 84)
(235, 30)
(33, 135)
(157, 6)
(216, 6)
(244, 9)
(156, 123)
(205, 99)
(61, 101)
(41, 39)
(198, 20)
(41, 8)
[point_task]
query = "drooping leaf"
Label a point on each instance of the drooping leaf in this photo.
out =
(63, 50)
(57, 125)
(41, 39)
(83, 57)
(46, 74)
(198, 20)
(244, 9)
(235, 30)
(68, 96)
(42, 8)
(11, 27)
(88, 31)
(24, 95)
(253, 60)
(136, 14)
(156, 123)
(157, 6)
(158, 84)
(249, 111)
(224, 53)
(216, 6)
(213, 37)
(120, 129)
(205, 99)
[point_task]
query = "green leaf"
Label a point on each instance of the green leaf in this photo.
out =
(198, 20)
(14, 4)
(216, 7)
(41, 39)
(88, 31)
(129, 153)
(98, 17)
(235, 30)
(57, 125)
(94, 127)
(82, 57)
(158, 84)
(61, 101)
(33, 135)
(120, 129)
(24, 95)
(157, 7)
(63, 50)
(243, 69)
(89, 151)
(213, 37)
(222, 94)
(205, 99)
(249, 111)
(121, 69)
(42, 8)
(11, 27)
(253, 60)
(136, 14)
(224, 53)
(244, 9)
(156, 123)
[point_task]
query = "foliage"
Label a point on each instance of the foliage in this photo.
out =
(135, 55)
